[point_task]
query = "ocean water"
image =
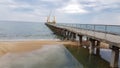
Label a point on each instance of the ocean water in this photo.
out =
(24, 30)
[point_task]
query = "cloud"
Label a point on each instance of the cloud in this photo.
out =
(73, 7)
(67, 11)
(12, 10)
(106, 18)
(99, 5)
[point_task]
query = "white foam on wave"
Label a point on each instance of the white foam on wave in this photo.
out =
(29, 40)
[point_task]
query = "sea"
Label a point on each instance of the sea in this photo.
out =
(56, 56)
(25, 31)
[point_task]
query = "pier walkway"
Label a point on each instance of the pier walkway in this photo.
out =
(95, 33)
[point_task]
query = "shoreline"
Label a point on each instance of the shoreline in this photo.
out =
(7, 40)
(26, 46)
(18, 46)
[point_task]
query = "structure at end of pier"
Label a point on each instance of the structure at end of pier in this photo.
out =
(49, 18)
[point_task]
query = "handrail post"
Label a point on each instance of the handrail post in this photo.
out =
(105, 31)
(94, 30)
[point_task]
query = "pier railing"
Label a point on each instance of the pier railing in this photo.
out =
(111, 29)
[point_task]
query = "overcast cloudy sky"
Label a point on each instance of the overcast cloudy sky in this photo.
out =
(66, 11)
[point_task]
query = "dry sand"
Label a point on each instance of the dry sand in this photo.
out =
(24, 46)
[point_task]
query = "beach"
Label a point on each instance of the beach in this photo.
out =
(29, 45)
(37, 53)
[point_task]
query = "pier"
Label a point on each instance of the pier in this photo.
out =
(95, 34)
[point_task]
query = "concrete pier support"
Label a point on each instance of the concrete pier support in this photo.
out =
(98, 48)
(67, 35)
(80, 40)
(114, 57)
(87, 38)
(64, 33)
(92, 46)
(73, 36)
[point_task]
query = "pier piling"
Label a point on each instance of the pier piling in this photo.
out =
(80, 40)
(92, 46)
(98, 48)
(114, 57)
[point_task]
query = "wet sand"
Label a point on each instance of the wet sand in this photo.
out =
(24, 46)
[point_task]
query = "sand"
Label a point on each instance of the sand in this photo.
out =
(25, 46)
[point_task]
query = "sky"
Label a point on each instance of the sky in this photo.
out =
(66, 11)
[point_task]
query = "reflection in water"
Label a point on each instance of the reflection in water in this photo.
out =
(106, 54)
(87, 60)
(55, 56)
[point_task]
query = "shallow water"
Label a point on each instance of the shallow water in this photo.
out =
(87, 60)
(106, 54)
(92, 61)
(55, 56)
